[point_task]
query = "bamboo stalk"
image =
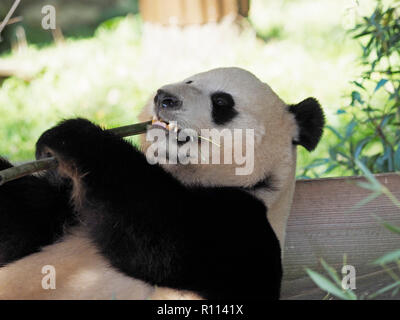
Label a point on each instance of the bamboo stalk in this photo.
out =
(13, 20)
(49, 163)
(9, 15)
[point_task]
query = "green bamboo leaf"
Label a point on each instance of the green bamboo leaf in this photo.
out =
(389, 152)
(391, 227)
(327, 285)
(304, 177)
(335, 132)
(370, 186)
(362, 34)
(370, 177)
(356, 96)
(332, 153)
(330, 168)
(360, 146)
(385, 289)
(386, 119)
(317, 163)
(358, 84)
(397, 159)
(331, 272)
(388, 257)
(365, 201)
(345, 156)
(350, 129)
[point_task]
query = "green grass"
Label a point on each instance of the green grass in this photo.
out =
(108, 78)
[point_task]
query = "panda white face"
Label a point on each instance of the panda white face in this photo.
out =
(227, 98)
(221, 98)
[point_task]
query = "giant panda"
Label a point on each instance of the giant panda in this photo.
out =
(114, 226)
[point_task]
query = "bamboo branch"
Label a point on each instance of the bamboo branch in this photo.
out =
(8, 16)
(13, 20)
(49, 163)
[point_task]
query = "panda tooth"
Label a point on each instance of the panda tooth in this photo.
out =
(173, 126)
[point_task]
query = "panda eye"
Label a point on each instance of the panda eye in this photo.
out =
(189, 82)
(222, 99)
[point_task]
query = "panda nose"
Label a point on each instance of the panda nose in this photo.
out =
(166, 100)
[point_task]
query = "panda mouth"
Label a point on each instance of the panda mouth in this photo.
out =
(169, 127)
(164, 124)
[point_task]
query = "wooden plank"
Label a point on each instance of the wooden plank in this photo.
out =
(324, 224)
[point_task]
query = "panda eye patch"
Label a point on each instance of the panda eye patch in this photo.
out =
(222, 107)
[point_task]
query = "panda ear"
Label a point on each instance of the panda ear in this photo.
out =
(310, 120)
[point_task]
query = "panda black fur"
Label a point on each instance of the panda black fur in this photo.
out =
(213, 240)
(33, 213)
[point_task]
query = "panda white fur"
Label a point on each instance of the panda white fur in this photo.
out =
(140, 231)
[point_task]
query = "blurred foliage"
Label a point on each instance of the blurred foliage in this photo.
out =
(369, 130)
(86, 78)
(76, 18)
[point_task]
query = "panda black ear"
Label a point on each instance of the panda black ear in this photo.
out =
(311, 120)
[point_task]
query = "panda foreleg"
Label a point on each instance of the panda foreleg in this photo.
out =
(33, 213)
(119, 197)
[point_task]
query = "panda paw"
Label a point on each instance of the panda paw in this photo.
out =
(76, 142)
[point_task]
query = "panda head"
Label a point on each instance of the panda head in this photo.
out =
(233, 98)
